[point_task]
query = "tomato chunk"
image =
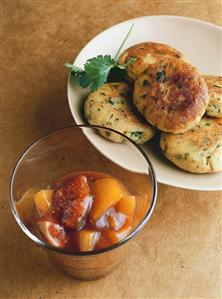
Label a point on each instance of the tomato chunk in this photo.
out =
(75, 212)
(72, 201)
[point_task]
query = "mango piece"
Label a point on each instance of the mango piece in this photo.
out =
(88, 239)
(42, 201)
(126, 205)
(53, 233)
(107, 192)
(25, 206)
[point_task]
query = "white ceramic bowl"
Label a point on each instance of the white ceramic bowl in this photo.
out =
(201, 44)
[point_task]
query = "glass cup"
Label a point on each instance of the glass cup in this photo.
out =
(81, 148)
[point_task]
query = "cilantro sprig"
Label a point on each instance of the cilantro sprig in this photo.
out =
(97, 69)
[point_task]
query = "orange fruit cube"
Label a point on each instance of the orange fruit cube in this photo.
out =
(42, 200)
(25, 206)
(126, 205)
(88, 239)
(107, 192)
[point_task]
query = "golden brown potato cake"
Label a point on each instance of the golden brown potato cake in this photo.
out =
(198, 150)
(110, 106)
(171, 95)
(214, 84)
(146, 54)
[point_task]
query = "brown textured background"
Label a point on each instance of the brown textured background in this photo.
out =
(178, 254)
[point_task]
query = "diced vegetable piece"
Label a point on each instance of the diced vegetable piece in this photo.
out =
(42, 201)
(126, 205)
(103, 221)
(25, 206)
(117, 220)
(107, 192)
(54, 233)
(88, 239)
(111, 219)
(116, 236)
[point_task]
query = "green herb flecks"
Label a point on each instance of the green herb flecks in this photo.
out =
(160, 76)
(97, 69)
(146, 83)
(111, 101)
(137, 136)
(186, 155)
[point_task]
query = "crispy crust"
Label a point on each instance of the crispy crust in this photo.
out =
(146, 54)
(214, 84)
(198, 150)
(111, 106)
(171, 95)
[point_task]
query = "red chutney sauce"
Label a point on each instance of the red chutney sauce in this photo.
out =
(84, 211)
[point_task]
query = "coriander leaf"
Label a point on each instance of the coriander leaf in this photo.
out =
(123, 66)
(100, 60)
(97, 70)
(123, 42)
(83, 79)
(117, 74)
(81, 76)
(73, 68)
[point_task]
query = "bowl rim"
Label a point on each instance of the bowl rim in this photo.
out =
(132, 234)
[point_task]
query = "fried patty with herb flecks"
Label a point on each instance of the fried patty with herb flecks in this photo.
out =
(198, 150)
(214, 84)
(146, 54)
(111, 106)
(171, 95)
